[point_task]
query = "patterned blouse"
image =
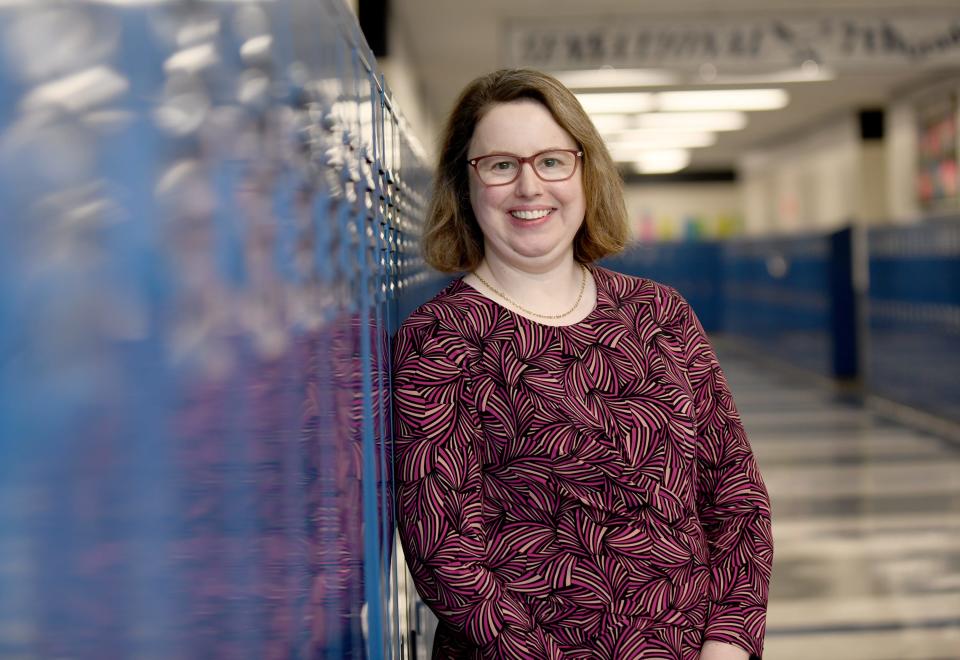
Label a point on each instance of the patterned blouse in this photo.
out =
(584, 491)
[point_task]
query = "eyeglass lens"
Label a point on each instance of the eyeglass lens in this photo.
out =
(549, 166)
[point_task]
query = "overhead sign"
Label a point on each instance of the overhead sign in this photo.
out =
(844, 42)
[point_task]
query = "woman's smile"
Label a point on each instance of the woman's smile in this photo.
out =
(528, 217)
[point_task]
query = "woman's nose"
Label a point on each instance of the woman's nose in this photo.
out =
(528, 183)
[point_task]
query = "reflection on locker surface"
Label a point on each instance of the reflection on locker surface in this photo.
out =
(208, 212)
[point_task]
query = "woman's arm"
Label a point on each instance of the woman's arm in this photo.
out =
(439, 514)
(721, 651)
(732, 503)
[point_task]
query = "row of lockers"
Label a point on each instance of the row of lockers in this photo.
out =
(878, 306)
(210, 211)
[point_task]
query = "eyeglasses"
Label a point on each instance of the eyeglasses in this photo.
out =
(550, 165)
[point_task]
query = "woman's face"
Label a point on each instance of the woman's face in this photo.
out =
(529, 223)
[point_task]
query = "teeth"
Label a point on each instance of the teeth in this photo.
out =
(529, 215)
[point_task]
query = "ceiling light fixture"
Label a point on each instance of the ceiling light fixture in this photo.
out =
(665, 161)
(623, 102)
(726, 120)
(629, 143)
(806, 74)
(723, 99)
(610, 77)
(683, 101)
(721, 120)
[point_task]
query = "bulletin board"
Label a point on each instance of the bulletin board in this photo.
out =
(938, 181)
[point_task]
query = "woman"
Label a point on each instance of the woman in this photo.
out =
(573, 480)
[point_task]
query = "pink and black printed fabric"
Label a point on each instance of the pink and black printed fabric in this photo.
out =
(584, 491)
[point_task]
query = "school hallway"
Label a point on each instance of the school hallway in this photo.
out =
(866, 520)
(215, 216)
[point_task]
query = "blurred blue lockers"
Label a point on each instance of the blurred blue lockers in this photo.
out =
(692, 267)
(208, 216)
(790, 297)
(794, 298)
(777, 293)
(914, 315)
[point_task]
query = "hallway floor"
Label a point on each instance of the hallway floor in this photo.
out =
(866, 522)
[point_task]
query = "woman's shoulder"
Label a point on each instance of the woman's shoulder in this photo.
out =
(437, 328)
(446, 309)
(662, 300)
(652, 306)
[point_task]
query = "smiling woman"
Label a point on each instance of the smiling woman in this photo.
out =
(528, 221)
(573, 479)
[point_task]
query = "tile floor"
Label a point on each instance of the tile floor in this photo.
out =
(866, 522)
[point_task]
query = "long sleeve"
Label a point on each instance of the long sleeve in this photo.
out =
(732, 503)
(439, 513)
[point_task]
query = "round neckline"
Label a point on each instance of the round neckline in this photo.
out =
(596, 303)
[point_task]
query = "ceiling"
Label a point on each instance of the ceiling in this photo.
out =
(452, 42)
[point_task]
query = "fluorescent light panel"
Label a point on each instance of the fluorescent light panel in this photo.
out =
(721, 120)
(621, 102)
(609, 77)
(809, 71)
(683, 101)
(723, 99)
(729, 120)
(709, 74)
(663, 161)
(629, 142)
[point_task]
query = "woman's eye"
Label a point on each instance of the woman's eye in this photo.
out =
(549, 162)
(503, 165)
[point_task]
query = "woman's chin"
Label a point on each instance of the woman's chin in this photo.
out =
(534, 251)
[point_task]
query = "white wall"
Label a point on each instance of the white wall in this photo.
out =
(828, 176)
(901, 147)
(399, 70)
(670, 211)
(809, 182)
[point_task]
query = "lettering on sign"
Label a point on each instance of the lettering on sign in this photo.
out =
(841, 42)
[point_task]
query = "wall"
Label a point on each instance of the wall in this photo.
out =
(901, 171)
(399, 69)
(809, 182)
(683, 210)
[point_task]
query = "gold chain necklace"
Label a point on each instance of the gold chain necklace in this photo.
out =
(583, 284)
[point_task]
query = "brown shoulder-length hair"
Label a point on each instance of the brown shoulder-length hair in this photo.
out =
(452, 240)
